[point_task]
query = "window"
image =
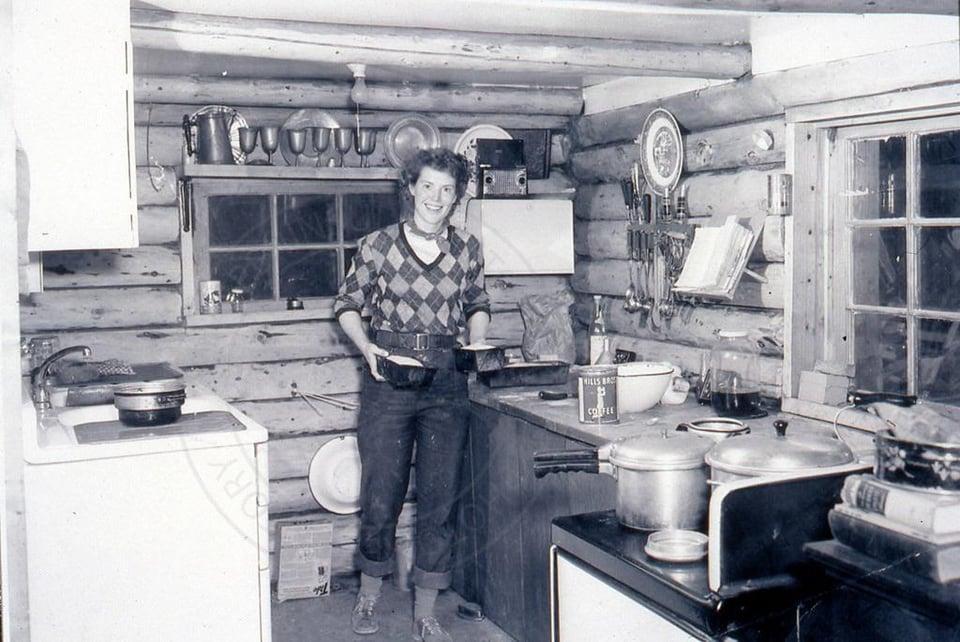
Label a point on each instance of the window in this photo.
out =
(884, 241)
(281, 239)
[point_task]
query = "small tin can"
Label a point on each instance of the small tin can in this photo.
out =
(210, 297)
(597, 388)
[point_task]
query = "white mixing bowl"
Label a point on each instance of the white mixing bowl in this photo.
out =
(640, 385)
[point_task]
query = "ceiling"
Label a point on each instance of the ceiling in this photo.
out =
(547, 43)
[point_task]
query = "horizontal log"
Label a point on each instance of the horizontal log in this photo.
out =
(413, 48)
(276, 380)
(557, 185)
(91, 308)
(715, 195)
(171, 114)
(156, 186)
(291, 457)
(937, 7)
(608, 240)
(508, 290)
(335, 94)
(713, 149)
(767, 95)
(145, 265)
(689, 358)
(202, 346)
(695, 325)
(284, 418)
(294, 496)
(612, 276)
(159, 224)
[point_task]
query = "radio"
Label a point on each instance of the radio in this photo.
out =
(503, 183)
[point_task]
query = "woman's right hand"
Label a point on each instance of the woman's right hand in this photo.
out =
(370, 353)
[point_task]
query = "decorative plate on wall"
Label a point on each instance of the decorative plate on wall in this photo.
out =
(661, 151)
(334, 476)
(407, 135)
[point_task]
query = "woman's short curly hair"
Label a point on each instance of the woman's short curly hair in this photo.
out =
(440, 159)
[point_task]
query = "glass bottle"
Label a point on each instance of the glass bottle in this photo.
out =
(598, 330)
(734, 375)
(606, 355)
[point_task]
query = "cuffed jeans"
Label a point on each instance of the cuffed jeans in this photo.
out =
(391, 421)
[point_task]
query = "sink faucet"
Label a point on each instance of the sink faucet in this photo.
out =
(38, 377)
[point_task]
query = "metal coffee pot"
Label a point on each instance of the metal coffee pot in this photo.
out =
(212, 138)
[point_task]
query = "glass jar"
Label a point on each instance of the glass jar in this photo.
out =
(734, 366)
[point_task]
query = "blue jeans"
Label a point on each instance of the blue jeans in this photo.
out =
(391, 421)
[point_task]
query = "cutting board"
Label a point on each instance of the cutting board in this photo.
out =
(758, 526)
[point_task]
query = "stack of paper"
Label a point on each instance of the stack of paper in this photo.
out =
(716, 260)
(306, 551)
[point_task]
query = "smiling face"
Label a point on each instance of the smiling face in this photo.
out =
(434, 194)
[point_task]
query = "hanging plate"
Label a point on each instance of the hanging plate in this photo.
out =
(334, 475)
(661, 151)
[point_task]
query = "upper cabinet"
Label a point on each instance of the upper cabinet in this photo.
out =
(73, 99)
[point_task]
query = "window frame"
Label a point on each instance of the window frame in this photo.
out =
(818, 290)
(195, 250)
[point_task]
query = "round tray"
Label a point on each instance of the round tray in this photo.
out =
(303, 119)
(676, 545)
(661, 151)
(407, 135)
(334, 476)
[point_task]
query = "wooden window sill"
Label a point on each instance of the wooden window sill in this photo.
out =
(324, 312)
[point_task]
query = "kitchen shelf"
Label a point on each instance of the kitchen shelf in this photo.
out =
(283, 172)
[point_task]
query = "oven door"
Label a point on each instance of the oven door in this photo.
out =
(588, 606)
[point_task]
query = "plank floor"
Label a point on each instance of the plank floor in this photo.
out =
(327, 618)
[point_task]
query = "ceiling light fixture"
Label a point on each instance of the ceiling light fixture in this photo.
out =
(358, 93)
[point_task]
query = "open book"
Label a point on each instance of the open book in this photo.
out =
(716, 260)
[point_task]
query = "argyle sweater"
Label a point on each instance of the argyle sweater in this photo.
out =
(404, 294)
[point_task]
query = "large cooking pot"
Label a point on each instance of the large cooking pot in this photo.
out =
(149, 403)
(755, 455)
(661, 478)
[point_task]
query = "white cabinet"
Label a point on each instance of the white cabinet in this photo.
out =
(523, 236)
(73, 113)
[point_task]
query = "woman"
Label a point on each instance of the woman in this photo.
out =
(423, 282)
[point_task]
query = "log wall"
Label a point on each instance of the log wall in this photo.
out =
(126, 304)
(725, 173)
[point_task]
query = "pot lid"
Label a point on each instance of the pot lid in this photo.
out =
(763, 454)
(173, 384)
(660, 451)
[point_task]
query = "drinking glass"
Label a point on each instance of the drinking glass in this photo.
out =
(366, 143)
(298, 142)
(342, 138)
(270, 139)
(248, 141)
(321, 141)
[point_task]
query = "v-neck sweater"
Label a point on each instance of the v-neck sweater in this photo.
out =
(405, 294)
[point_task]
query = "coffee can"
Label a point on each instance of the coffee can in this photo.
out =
(209, 297)
(597, 388)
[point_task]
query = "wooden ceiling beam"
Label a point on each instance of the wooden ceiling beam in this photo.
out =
(432, 48)
(936, 7)
(769, 94)
(333, 94)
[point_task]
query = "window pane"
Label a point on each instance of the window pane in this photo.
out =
(348, 254)
(940, 174)
(880, 346)
(307, 218)
(879, 269)
(239, 220)
(308, 273)
(940, 268)
(940, 360)
(251, 271)
(878, 178)
(364, 213)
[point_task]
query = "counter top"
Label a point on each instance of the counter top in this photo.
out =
(561, 417)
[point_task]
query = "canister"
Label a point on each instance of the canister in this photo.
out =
(597, 388)
(210, 297)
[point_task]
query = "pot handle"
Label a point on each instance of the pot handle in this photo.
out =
(861, 397)
(565, 461)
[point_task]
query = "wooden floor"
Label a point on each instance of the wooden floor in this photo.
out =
(328, 618)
